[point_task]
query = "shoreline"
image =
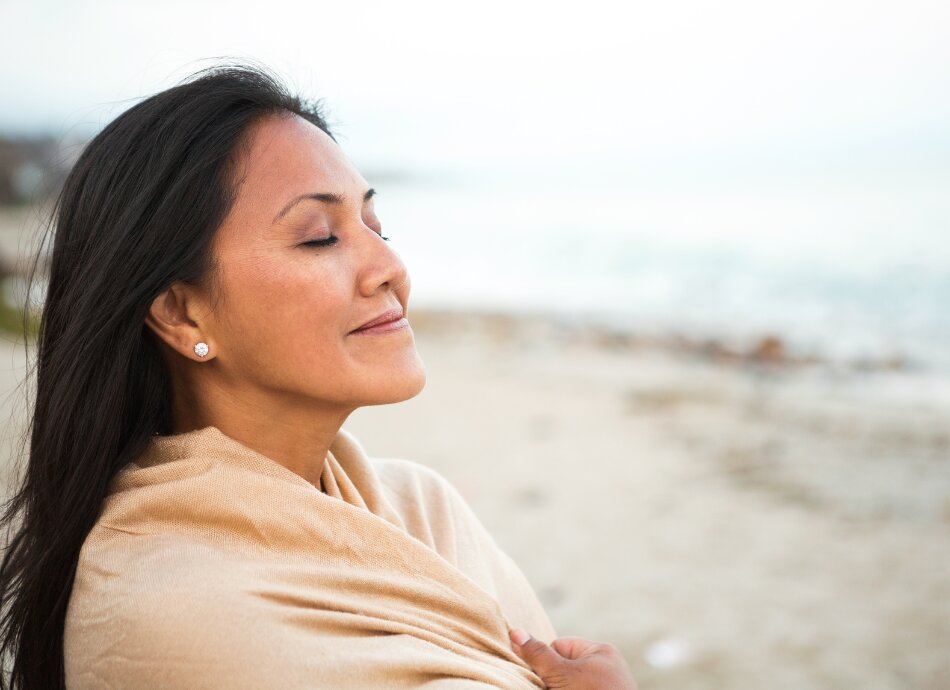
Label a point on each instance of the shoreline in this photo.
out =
(766, 350)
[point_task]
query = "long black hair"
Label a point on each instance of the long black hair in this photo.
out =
(136, 214)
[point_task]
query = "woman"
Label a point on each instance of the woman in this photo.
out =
(193, 515)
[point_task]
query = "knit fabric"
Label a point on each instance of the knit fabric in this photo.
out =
(213, 566)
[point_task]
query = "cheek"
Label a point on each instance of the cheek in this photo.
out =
(293, 309)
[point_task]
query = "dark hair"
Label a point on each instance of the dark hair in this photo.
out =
(136, 214)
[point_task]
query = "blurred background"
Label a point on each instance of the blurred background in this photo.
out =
(681, 281)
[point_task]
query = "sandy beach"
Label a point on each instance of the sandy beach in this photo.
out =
(725, 525)
(726, 520)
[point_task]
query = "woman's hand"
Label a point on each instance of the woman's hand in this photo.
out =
(574, 663)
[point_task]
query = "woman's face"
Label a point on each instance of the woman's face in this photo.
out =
(287, 309)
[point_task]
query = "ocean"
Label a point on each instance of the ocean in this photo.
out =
(847, 267)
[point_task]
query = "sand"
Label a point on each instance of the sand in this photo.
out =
(724, 525)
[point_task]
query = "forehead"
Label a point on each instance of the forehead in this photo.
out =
(285, 156)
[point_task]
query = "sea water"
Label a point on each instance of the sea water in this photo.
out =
(841, 266)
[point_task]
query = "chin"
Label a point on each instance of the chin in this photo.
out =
(413, 384)
(402, 385)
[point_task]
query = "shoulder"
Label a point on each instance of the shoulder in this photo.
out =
(416, 485)
(431, 507)
(413, 475)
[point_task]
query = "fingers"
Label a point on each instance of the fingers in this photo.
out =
(518, 636)
(572, 647)
(539, 656)
(573, 662)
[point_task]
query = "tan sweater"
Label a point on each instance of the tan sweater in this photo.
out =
(213, 566)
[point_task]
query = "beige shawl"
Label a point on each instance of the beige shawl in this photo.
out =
(213, 566)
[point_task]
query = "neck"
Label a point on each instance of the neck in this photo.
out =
(300, 442)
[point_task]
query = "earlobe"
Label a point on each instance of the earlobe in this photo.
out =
(168, 319)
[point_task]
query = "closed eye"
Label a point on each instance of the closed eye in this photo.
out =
(332, 239)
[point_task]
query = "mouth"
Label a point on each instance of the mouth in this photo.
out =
(390, 320)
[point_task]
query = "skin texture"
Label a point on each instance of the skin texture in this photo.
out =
(283, 371)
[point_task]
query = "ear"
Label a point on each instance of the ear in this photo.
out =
(171, 317)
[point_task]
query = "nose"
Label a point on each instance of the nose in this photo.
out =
(381, 267)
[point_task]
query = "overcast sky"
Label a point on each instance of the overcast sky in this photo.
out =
(858, 81)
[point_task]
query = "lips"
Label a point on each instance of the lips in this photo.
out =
(386, 317)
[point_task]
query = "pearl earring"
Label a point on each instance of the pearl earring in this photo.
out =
(201, 349)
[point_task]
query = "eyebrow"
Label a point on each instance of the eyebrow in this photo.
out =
(325, 197)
